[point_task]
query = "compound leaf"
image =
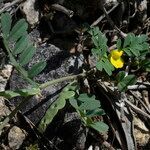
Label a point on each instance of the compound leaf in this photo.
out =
(88, 102)
(55, 107)
(50, 114)
(142, 38)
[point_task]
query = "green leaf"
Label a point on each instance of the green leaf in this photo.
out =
(134, 52)
(104, 49)
(127, 40)
(145, 46)
(84, 97)
(128, 51)
(21, 45)
(36, 69)
(102, 39)
(100, 42)
(9, 94)
(22, 92)
(27, 54)
(95, 31)
(67, 94)
(145, 64)
(29, 92)
(99, 126)
(95, 51)
(136, 45)
(88, 102)
(95, 40)
(128, 80)
(119, 44)
(74, 103)
(99, 65)
(95, 112)
(6, 24)
(55, 107)
(50, 114)
(120, 76)
(142, 38)
(89, 105)
(108, 67)
(19, 29)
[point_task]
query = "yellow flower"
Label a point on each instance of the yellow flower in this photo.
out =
(115, 58)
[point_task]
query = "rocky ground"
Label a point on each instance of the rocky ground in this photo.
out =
(57, 34)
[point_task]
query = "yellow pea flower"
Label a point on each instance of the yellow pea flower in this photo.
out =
(115, 58)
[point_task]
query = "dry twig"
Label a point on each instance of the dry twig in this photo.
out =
(111, 22)
(62, 9)
(103, 16)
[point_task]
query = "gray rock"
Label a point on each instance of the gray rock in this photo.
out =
(16, 137)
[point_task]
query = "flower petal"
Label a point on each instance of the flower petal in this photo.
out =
(116, 54)
(117, 63)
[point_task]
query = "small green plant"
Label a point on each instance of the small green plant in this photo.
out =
(86, 106)
(134, 47)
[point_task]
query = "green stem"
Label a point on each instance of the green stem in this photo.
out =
(42, 86)
(72, 77)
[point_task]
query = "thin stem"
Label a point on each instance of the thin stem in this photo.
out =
(71, 77)
(42, 86)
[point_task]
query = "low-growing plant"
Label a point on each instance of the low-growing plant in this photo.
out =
(132, 47)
